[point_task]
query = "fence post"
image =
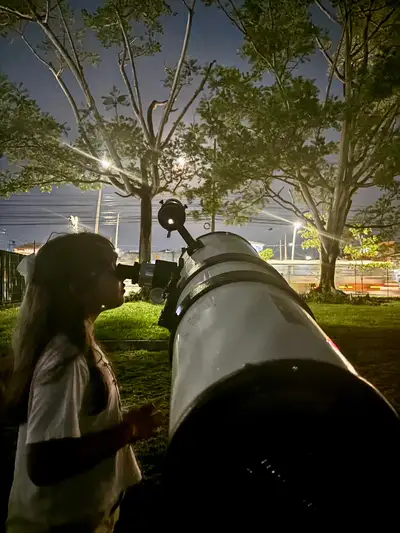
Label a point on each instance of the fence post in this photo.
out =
(355, 277)
(11, 282)
(387, 282)
(1, 276)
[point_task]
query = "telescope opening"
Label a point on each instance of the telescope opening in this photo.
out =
(294, 441)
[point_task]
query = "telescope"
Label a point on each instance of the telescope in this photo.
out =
(268, 420)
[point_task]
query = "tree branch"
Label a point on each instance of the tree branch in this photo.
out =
(373, 226)
(313, 208)
(153, 105)
(178, 71)
(124, 195)
(16, 13)
(137, 105)
(128, 86)
(73, 182)
(335, 62)
(185, 109)
(326, 12)
(46, 18)
(232, 19)
(286, 204)
(382, 132)
(91, 103)
(242, 28)
(338, 74)
(70, 40)
(67, 93)
(376, 30)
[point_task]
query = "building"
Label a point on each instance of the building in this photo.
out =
(28, 248)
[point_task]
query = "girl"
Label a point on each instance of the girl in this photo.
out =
(74, 460)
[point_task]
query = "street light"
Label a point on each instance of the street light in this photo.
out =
(296, 226)
(181, 161)
(74, 222)
(105, 163)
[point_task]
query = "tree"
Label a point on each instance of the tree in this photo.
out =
(266, 254)
(28, 134)
(140, 157)
(323, 149)
(211, 188)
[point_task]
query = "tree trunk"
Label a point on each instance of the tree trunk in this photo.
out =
(328, 264)
(330, 241)
(145, 228)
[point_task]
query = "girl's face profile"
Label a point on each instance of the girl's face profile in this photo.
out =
(108, 291)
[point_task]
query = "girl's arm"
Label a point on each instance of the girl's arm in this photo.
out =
(56, 449)
(49, 462)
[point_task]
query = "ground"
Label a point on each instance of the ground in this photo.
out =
(367, 335)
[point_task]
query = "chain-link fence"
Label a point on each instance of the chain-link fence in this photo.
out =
(11, 282)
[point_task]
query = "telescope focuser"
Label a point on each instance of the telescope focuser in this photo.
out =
(172, 217)
(158, 276)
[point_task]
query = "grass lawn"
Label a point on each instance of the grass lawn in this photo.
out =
(131, 321)
(7, 321)
(136, 320)
(368, 336)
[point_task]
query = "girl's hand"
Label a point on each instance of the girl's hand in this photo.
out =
(143, 421)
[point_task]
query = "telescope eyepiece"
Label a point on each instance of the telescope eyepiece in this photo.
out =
(128, 272)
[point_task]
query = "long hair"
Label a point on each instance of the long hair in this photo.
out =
(65, 266)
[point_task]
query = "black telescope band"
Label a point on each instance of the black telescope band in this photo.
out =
(270, 277)
(240, 257)
(267, 278)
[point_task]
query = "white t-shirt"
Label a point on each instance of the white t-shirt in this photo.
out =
(58, 408)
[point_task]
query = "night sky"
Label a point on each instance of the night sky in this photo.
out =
(34, 216)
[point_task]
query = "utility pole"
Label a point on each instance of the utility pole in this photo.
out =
(285, 248)
(213, 189)
(296, 226)
(98, 209)
(116, 233)
(280, 250)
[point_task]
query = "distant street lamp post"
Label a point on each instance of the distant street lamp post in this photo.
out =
(98, 209)
(285, 247)
(105, 163)
(116, 234)
(296, 226)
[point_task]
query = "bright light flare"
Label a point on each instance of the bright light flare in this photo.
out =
(297, 225)
(105, 163)
(181, 161)
(171, 221)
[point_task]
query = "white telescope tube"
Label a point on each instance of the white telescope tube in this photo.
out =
(256, 383)
(237, 323)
